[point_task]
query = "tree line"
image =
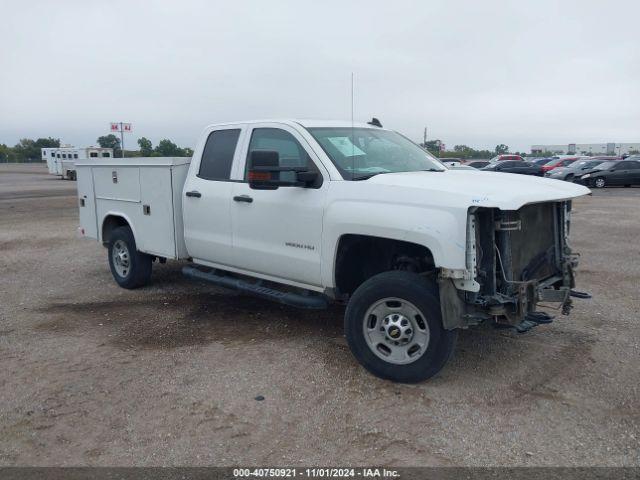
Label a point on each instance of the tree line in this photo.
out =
(28, 150)
(465, 152)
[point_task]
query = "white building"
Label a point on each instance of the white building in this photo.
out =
(588, 148)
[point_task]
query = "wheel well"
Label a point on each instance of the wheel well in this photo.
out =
(360, 257)
(110, 223)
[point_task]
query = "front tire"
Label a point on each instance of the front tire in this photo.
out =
(393, 325)
(129, 267)
(599, 182)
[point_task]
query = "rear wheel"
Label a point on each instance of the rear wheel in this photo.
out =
(599, 182)
(393, 325)
(130, 268)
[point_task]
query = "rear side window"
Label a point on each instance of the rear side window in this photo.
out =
(217, 157)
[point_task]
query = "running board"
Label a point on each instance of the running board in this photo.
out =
(311, 301)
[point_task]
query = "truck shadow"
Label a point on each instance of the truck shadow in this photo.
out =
(174, 312)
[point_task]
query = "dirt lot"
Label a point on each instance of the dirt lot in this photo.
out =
(96, 375)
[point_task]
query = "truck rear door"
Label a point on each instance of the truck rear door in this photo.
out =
(207, 197)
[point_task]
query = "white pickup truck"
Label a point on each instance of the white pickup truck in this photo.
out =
(311, 212)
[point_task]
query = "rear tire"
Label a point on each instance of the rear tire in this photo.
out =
(393, 325)
(129, 267)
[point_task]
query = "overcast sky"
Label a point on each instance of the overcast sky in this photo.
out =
(474, 72)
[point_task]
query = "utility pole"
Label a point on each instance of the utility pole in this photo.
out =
(425, 138)
(122, 139)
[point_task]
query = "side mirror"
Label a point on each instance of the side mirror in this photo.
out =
(264, 172)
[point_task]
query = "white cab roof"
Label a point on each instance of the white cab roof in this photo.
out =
(304, 122)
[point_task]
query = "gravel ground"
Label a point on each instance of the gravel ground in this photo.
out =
(168, 375)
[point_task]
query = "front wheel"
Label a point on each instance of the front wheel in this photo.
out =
(393, 325)
(599, 182)
(130, 268)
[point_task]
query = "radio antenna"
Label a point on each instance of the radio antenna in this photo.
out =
(353, 139)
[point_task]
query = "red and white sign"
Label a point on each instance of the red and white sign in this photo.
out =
(121, 127)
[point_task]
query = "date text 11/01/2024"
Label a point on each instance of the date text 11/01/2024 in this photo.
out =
(315, 472)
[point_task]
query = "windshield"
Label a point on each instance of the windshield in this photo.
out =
(605, 166)
(584, 164)
(360, 153)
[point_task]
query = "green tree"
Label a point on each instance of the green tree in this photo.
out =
(187, 152)
(48, 142)
(26, 150)
(110, 141)
(501, 149)
(146, 147)
(6, 153)
(166, 148)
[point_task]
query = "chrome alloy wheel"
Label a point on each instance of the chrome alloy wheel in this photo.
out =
(396, 331)
(121, 259)
(599, 182)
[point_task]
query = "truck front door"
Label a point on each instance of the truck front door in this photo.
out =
(277, 233)
(207, 197)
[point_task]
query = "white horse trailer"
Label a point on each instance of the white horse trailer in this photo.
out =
(66, 157)
(49, 156)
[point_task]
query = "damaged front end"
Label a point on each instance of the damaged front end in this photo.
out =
(517, 260)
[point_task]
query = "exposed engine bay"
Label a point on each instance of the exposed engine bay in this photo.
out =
(520, 259)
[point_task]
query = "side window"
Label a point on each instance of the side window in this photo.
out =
(105, 154)
(64, 155)
(93, 155)
(75, 155)
(217, 157)
(623, 166)
(291, 153)
(634, 166)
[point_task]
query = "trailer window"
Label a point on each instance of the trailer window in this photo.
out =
(75, 155)
(93, 154)
(105, 154)
(217, 157)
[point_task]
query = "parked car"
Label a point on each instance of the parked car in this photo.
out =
(507, 156)
(573, 170)
(559, 162)
(477, 163)
(621, 172)
(542, 161)
(282, 210)
(514, 166)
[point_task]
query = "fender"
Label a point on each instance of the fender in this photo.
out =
(124, 216)
(442, 231)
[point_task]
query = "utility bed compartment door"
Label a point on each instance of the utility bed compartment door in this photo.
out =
(86, 203)
(117, 183)
(156, 215)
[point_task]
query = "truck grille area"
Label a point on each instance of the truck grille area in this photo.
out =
(535, 246)
(518, 246)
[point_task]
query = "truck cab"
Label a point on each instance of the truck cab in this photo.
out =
(312, 212)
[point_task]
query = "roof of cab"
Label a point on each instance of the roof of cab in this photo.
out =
(307, 123)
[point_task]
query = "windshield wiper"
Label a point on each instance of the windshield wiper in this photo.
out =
(366, 177)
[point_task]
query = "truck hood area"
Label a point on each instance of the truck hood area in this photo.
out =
(506, 191)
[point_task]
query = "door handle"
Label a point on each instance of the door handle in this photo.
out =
(243, 198)
(193, 193)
